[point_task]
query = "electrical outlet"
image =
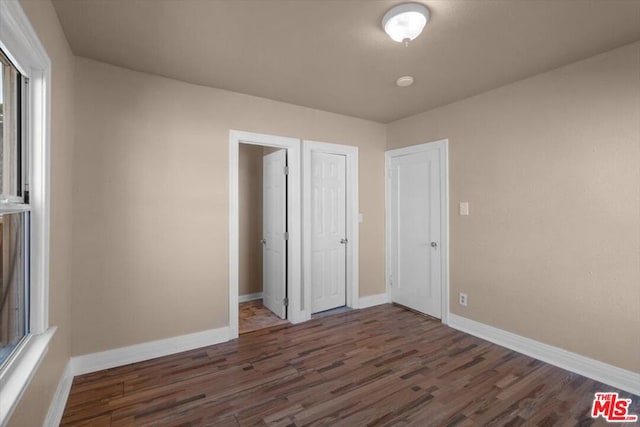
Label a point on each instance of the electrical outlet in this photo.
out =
(463, 299)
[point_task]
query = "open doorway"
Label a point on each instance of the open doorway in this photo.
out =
(262, 185)
(280, 239)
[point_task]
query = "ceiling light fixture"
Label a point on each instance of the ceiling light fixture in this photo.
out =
(405, 21)
(405, 81)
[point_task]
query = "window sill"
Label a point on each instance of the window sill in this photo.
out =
(13, 207)
(17, 374)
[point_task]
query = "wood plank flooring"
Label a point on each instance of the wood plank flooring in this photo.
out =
(255, 316)
(382, 366)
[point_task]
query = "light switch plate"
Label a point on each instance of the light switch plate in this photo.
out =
(464, 208)
(360, 218)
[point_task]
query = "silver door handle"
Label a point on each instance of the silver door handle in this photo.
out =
(344, 241)
(263, 241)
(434, 245)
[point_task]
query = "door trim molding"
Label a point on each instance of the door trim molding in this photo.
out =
(352, 222)
(292, 145)
(443, 145)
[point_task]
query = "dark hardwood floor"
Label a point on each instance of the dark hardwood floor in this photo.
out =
(383, 366)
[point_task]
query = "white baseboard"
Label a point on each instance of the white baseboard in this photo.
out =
(56, 408)
(371, 300)
(250, 297)
(150, 350)
(591, 368)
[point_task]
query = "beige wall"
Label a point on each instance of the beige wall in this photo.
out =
(150, 250)
(549, 165)
(35, 403)
(250, 221)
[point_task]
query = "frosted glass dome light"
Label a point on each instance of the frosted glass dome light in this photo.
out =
(405, 21)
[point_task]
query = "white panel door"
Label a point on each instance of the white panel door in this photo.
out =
(328, 231)
(274, 226)
(415, 215)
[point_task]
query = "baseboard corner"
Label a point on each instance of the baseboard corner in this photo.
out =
(372, 300)
(59, 401)
(249, 297)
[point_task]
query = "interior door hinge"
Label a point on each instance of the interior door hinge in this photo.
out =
(286, 235)
(285, 302)
(286, 170)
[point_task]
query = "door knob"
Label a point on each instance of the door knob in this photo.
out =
(344, 241)
(434, 245)
(263, 241)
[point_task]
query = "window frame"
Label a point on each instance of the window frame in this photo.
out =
(20, 43)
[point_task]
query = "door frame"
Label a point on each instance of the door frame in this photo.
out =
(294, 262)
(352, 220)
(443, 147)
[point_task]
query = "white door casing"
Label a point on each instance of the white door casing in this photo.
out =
(274, 226)
(328, 231)
(417, 233)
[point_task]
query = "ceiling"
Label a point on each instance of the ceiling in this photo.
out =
(333, 54)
